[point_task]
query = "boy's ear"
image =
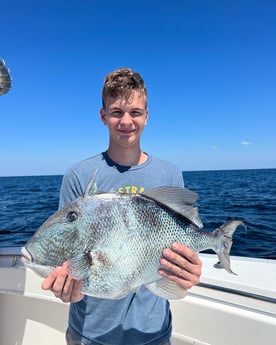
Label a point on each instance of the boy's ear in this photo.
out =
(146, 118)
(103, 116)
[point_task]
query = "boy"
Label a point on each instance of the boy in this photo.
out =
(140, 318)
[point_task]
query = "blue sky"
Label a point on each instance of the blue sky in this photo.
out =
(209, 67)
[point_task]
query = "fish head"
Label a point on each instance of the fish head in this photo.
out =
(58, 239)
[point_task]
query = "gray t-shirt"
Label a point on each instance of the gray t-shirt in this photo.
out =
(140, 318)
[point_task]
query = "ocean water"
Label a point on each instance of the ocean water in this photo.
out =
(248, 195)
(25, 203)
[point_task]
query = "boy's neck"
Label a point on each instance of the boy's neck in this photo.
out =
(127, 156)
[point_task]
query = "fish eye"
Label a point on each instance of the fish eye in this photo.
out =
(72, 216)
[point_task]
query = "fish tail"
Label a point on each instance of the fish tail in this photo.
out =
(224, 235)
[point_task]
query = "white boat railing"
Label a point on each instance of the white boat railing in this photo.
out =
(239, 292)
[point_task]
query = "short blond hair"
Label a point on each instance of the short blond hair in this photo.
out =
(122, 82)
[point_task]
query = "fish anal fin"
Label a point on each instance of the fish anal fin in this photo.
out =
(167, 289)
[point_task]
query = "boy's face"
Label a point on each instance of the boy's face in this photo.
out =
(125, 118)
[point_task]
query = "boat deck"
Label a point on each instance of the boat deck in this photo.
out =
(225, 309)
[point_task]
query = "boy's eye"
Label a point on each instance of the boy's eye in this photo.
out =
(117, 114)
(136, 114)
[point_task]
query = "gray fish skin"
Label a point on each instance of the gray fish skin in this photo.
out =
(113, 242)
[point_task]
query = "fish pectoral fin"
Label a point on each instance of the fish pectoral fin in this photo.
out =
(179, 200)
(77, 267)
(167, 289)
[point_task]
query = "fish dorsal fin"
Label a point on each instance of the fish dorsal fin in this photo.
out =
(179, 200)
(192, 215)
(91, 188)
(167, 289)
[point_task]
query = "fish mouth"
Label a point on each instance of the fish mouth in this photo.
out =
(26, 256)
